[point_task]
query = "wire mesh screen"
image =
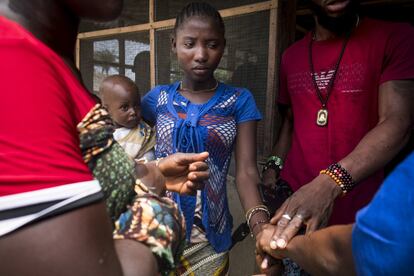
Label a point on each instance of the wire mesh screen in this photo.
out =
(119, 54)
(134, 12)
(244, 63)
(167, 9)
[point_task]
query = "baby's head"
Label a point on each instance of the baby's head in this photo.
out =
(120, 96)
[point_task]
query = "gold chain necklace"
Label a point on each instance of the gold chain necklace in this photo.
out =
(198, 91)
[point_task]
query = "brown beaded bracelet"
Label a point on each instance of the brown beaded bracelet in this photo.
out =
(341, 177)
(334, 178)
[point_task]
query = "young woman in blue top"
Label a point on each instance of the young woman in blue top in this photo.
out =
(198, 114)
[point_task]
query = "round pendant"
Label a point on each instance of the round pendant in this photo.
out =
(322, 117)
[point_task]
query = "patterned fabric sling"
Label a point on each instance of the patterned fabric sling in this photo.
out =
(156, 222)
(107, 161)
(137, 213)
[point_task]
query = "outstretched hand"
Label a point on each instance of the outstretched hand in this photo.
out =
(311, 205)
(184, 173)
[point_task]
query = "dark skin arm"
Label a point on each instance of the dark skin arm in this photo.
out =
(247, 175)
(325, 252)
(282, 146)
(314, 201)
(129, 252)
(396, 105)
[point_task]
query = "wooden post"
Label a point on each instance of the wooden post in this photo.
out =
(152, 42)
(121, 45)
(85, 64)
(77, 53)
(169, 23)
(271, 80)
(281, 34)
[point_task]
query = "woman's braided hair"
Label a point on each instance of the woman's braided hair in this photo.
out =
(201, 9)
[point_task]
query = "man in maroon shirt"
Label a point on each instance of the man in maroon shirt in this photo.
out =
(347, 94)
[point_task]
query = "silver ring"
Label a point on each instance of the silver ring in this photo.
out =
(299, 216)
(286, 216)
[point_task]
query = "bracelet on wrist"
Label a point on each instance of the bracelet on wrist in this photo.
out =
(252, 209)
(273, 162)
(341, 177)
(256, 209)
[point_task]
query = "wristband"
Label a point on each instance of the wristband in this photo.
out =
(341, 177)
(256, 209)
(273, 162)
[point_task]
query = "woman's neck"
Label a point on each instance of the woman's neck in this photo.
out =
(49, 21)
(194, 86)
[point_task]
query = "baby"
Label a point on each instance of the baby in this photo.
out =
(120, 96)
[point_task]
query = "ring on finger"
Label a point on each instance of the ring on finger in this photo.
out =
(300, 217)
(286, 216)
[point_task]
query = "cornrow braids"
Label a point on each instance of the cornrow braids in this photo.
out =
(201, 9)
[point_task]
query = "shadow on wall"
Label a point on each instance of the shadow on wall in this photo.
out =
(142, 72)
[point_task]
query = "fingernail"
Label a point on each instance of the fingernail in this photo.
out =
(273, 244)
(281, 243)
(264, 264)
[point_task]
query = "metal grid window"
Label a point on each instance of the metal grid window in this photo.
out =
(138, 45)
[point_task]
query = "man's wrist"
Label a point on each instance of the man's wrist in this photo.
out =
(273, 162)
(334, 189)
(340, 176)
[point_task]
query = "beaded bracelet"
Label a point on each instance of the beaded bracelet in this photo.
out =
(334, 178)
(252, 211)
(260, 209)
(341, 177)
(273, 162)
(254, 207)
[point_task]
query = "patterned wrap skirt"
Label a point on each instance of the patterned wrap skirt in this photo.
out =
(200, 259)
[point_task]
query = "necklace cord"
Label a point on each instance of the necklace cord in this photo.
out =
(336, 67)
(332, 80)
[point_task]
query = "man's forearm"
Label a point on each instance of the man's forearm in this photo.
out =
(388, 137)
(324, 252)
(377, 148)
